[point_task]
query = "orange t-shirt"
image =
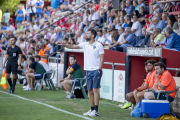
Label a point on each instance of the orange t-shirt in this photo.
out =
(150, 79)
(167, 80)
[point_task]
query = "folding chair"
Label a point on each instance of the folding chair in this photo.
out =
(81, 86)
(167, 95)
(47, 78)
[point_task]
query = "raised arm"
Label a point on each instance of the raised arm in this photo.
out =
(68, 45)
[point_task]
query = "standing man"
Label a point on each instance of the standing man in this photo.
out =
(44, 52)
(13, 53)
(93, 62)
(39, 8)
(19, 15)
(30, 9)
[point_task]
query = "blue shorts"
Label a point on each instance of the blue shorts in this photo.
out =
(38, 76)
(77, 82)
(163, 96)
(93, 79)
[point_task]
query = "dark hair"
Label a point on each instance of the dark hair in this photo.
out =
(33, 48)
(7, 10)
(27, 31)
(37, 23)
(2, 23)
(123, 12)
(21, 39)
(152, 61)
(136, 12)
(161, 65)
(92, 32)
(172, 19)
(24, 57)
(37, 56)
(31, 59)
(14, 38)
(73, 57)
(37, 50)
(65, 38)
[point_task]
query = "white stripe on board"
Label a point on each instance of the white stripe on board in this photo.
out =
(58, 109)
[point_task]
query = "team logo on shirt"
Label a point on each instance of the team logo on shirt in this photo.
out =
(94, 47)
(14, 54)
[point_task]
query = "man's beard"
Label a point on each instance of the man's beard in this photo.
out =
(88, 39)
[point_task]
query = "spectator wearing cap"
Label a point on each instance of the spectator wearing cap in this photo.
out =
(164, 17)
(172, 40)
(136, 27)
(101, 38)
(119, 41)
(129, 39)
(158, 23)
(128, 21)
(19, 15)
(129, 7)
(46, 42)
(156, 38)
(87, 25)
(39, 8)
(44, 52)
(141, 3)
(79, 37)
(10, 27)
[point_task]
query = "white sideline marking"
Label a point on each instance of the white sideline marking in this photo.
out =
(58, 109)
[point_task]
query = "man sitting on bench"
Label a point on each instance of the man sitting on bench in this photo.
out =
(75, 72)
(163, 81)
(35, 72)
(138, 94)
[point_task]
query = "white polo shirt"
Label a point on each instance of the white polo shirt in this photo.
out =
(92, 55)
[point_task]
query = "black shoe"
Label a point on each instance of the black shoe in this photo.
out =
(12, 92)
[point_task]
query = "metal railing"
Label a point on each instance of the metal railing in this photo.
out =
(113, 68)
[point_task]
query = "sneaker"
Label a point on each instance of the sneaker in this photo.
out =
(73, 96)
(126, 105)
(88, 113)
(94, 113)
(67, 97)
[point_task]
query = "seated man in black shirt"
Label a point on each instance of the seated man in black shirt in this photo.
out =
(36, 71)
(75, 72)
(13, 53)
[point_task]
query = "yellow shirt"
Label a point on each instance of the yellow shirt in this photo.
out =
(159, 38)
(0, 15)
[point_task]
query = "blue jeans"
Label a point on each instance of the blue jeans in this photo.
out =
(39, 15)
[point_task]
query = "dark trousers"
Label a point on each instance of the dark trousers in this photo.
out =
(31, 15)
(117, 48)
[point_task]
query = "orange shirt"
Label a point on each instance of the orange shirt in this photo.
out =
(167, 80)
(150, 79)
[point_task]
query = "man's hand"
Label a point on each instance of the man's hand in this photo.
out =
(19, 67)
(124, 35)
(135, 92)
(99, 71)
(156, 74)
(59, 43)
(61, 81)
(3, 66)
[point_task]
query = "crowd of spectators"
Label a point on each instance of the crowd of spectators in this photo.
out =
(138, 23)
